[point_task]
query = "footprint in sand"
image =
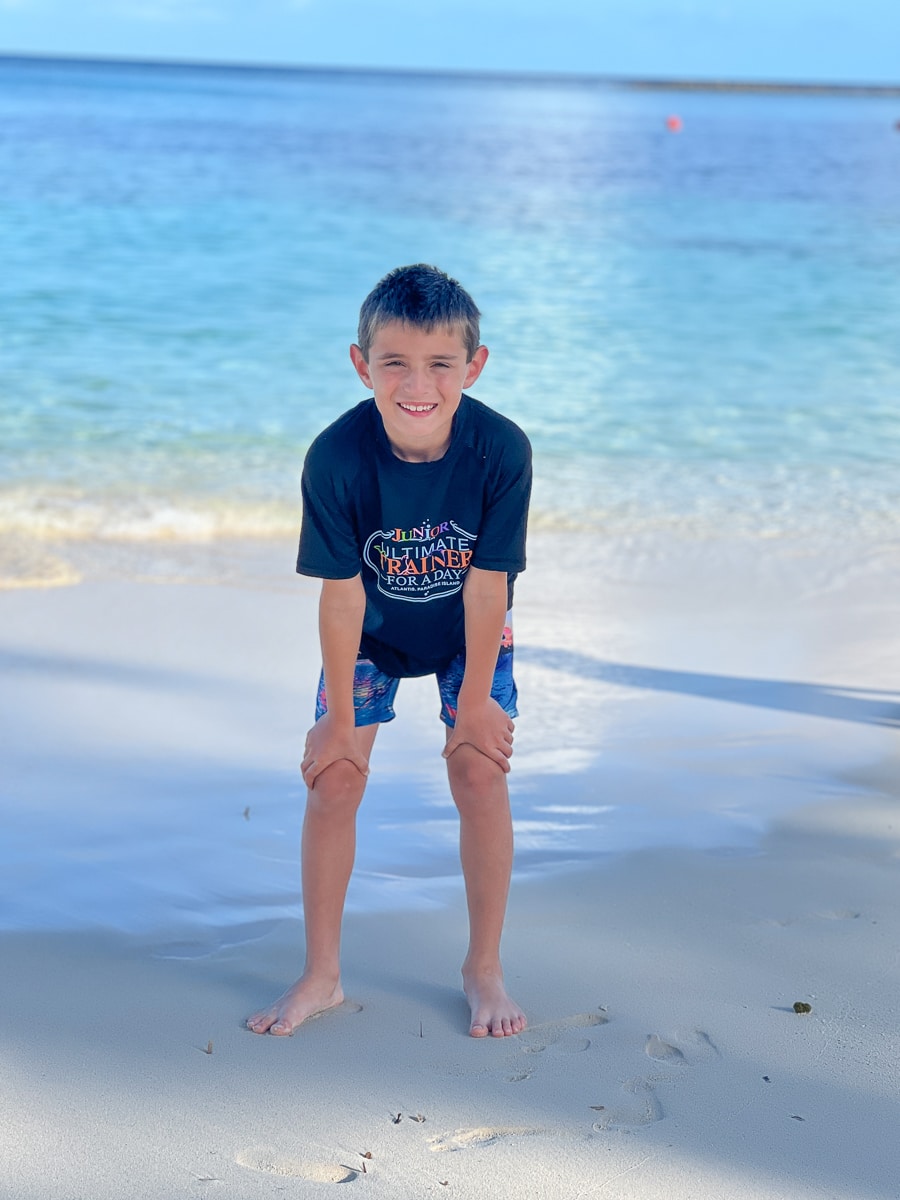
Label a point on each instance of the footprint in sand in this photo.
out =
(561, 1035)
(661, 1051)
(698, 1047)
(271, 1162)
(686, 1049)
(646, 1111)
(465, 1139)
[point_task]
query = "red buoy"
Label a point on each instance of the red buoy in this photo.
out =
(674, 124)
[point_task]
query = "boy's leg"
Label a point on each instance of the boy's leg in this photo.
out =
(328, 849)
(479, 790)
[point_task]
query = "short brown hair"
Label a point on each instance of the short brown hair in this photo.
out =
(423, 296)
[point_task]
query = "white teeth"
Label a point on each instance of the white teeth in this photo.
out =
(417, 407)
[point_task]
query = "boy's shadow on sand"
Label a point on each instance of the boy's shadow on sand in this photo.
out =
(867, 706)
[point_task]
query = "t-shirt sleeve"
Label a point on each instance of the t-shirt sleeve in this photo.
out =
(329, 546)
(501, 538)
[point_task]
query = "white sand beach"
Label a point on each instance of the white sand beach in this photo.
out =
(706, 792)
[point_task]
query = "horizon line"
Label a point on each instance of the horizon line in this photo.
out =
(647, 83)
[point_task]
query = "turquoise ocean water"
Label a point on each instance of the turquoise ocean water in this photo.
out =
(698, 330)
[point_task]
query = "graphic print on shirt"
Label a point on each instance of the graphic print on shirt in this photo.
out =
(422, 563)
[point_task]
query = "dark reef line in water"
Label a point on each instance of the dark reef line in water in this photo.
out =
(497, 76)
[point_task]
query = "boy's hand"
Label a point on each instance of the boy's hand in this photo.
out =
(327, 744)
(486, 727)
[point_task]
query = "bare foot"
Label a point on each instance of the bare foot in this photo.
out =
(304, 999)
(494, 1013)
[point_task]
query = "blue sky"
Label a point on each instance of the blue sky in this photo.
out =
(829, 40)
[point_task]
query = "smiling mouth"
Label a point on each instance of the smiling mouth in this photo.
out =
(418, 408)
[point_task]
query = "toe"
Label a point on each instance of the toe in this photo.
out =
(478, 1030)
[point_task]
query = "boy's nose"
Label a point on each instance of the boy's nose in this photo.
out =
(416, 383)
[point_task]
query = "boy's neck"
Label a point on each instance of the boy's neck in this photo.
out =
(419, 453)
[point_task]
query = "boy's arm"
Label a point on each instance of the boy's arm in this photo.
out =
(342, 606)
(480, 721)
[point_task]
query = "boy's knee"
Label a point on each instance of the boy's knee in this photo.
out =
(473, 773)
(340, 785)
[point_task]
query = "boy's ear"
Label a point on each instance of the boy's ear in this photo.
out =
(476, 366)
(362, 367)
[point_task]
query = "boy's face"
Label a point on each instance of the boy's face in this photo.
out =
(418, 379)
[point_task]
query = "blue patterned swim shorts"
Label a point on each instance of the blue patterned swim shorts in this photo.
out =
(374, 691)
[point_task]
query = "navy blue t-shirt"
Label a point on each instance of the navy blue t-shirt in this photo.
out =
(413, 529)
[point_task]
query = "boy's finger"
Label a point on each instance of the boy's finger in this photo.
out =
(500, 755)
(450, 746)
(311, 769)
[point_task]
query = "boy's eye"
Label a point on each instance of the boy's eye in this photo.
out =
(441, 364)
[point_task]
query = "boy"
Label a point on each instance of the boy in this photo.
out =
(414, 511)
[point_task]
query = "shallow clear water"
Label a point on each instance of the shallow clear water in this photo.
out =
(698, 330)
